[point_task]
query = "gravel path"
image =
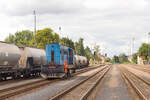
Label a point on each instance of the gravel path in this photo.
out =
(113, 87)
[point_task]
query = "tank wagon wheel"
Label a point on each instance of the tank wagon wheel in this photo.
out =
(14, 76)
(26, 75)
(0, 78)
(4, 78)
(27, 72)
(17, 75)
(39, 74)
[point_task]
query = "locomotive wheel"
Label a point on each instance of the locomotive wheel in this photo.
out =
(64, 77)
(68, 73)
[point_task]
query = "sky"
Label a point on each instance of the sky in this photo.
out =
(112, 24)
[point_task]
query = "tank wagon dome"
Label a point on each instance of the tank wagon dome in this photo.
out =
(9, 54)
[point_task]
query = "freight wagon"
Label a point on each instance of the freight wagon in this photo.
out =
(20, 61)
(80, 61)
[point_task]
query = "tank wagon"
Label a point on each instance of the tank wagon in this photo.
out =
(19, 61)
(80, 61)
(61, 62)
(31, 60)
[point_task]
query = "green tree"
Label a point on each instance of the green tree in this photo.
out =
(134, 59)
(65, 41)
(96, 52)
(79, 47)
(88, 53)
(123, 58)
(20, 38)
(108, 60)
(10, 38)
(143, 50)
(46, 36)
(115, 59)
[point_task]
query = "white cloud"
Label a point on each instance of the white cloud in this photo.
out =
(110, 23)
(24, 7)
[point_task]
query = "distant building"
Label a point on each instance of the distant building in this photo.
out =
(130, 58)
(140, 60)
(102, 57)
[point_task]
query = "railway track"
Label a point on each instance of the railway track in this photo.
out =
(10, 81)
(19, 89)
(138, 84)
(82, 89)
(22, 79)
(142, 69)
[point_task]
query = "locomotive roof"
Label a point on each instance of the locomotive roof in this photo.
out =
(60, 45)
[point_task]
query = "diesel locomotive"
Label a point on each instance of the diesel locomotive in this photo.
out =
(61, 62)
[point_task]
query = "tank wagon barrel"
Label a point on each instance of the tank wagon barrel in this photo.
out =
(80, 61)
(9, 56)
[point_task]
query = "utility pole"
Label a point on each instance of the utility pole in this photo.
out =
(149, 38)
(132, 46)
(148, 47)
(129, 46)
(34, 13)
(60, 31)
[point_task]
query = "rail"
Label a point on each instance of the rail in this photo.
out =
(19, 89)
(68, 90)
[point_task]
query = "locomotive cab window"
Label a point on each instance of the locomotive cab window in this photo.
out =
(52, 58)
